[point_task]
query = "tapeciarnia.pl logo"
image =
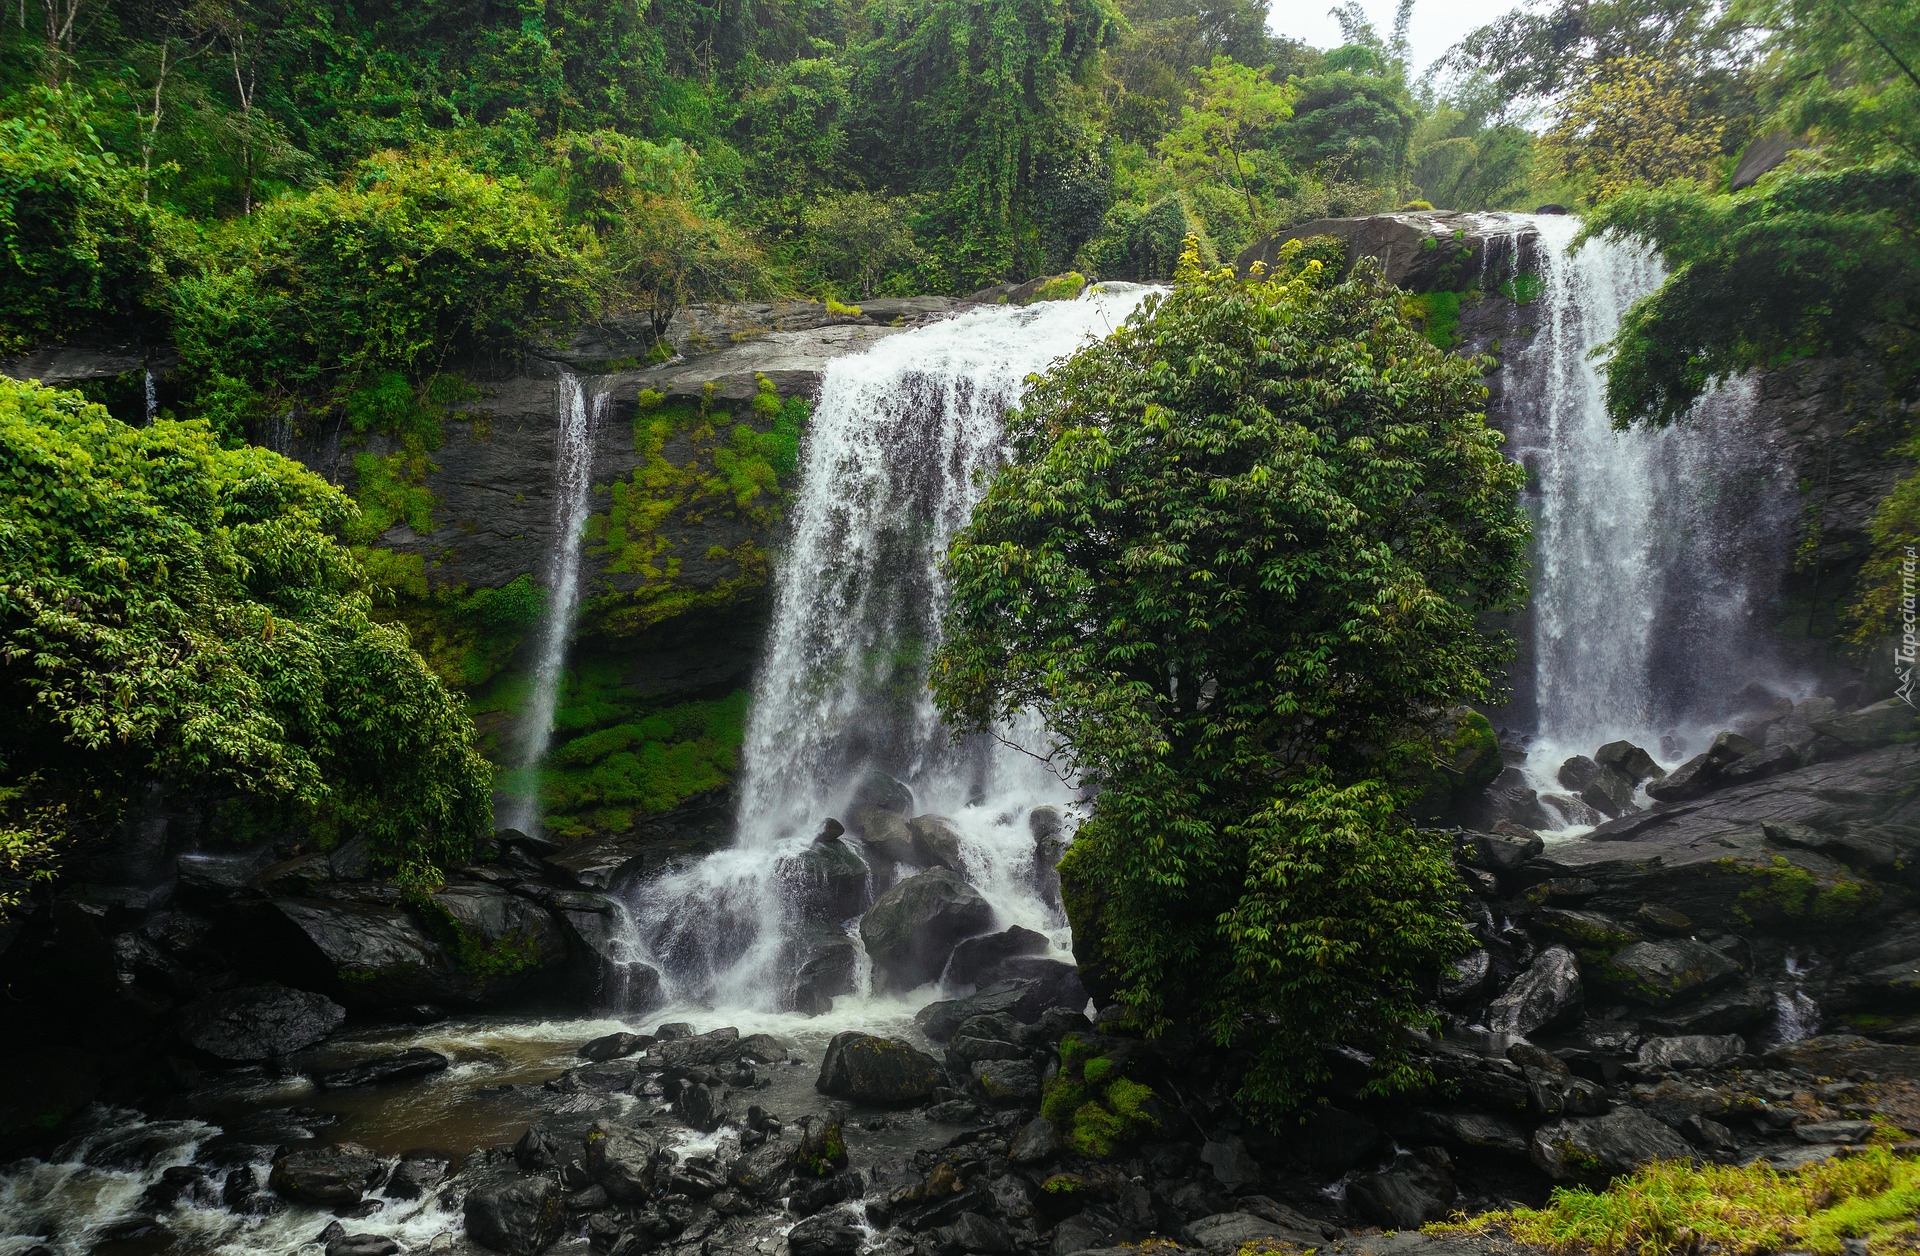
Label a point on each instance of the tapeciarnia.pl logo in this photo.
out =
(1908, 648)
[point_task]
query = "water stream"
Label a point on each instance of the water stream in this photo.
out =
(1655, 551)
(895, 458)
(579, 411)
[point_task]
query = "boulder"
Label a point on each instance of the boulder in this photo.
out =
(1225, 1234)
(886, 835)
(366, 954)
(1007, 1083)
(1234, 1167)
(1577, 773)
(940, 1019)
(1049, 831)
(1050, 983)
(602, 863)
(718, 1046)
(1870, 725)
(870, 1069)
(394, 1066)
(978, 961)
(1548, 993)
(937, 843)
(1405, 1197)
(362, 1245)
(502, 943)
(1474, 1130)
(1036, 1143)
(207, 880)
(292, 878)
(835, 1233)
(973, 1233)
(1421, 251)
(704, 1107)
(912, 930)
(1595, 1148)
(257, 1023)
(604, 970)
(1467, 978)
(630, 1166)
(1691, 1051)
(762, 1049)
(1723, 1013)
(614, 1046)
(1668, 970)
(521, 1216)
(828, 960)
(1636, 764)
(879, 792)
(1703, 772)
(1333, 1140)
(827, 881)
(327, 1177)
(1610, 792)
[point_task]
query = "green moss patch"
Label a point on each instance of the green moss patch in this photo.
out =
(1097, 1108)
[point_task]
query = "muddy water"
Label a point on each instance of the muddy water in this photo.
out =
(86, 1196)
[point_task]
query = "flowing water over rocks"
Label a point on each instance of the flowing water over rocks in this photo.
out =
(842, 727)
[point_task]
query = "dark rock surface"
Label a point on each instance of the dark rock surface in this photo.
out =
(911, 930)
(877, 1070)
(258, 1023)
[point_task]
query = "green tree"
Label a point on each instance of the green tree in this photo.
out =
(858, 237)
(1355, 127)
(1632, 124)
(1235, 562)
(81, 248)
(1234, 109)
(177, 613)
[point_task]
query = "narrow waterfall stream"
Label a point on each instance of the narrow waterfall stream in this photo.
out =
(579, 409)
(893, 464)
(1654, 550)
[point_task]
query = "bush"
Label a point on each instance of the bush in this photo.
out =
(1236, 565)
(173, 611)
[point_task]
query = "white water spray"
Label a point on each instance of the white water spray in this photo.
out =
(1649, 545)
(895, 459)
(578, 414)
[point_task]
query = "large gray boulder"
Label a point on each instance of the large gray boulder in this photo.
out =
(937, 841)
(1595, 1148)
(827, 881)
(1548, 993)
(627, 1164)
(1421, 251)
(828, 959)
(980, 961)
(1669, 970)
(718, 1046)
(914, 926)
(869, 1069)
(257, 1023)
(521, 1216)
(327, 1177)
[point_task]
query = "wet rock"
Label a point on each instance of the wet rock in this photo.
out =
(1599, 1147)
(1234, 1167)
(1474, 1130)
(602, 968)
(397, 1066)
(417, 1173)
(978, 961)
(1610, 792)
(1036, 1143)
(1421, 251)
(878, 791)
(1548, 993)
(702, 1107)
(1691, 1051)
(828, 881)
(241, 1193)
(631, 1166)
(826, 1234)
(1636, 764)
(673, 1031)
(1405, 1197)
(1467, 978)
(1835, 1131)
(939, 1020)
(521, 1216)
(1512, 800)
(1048, 827)
(1668, 970)
(539, 1150)
(214, 880)
(257, 1022)
(1007, 1083)
(887, 839)
(870, 1069)
(362, 1245)
(912, 930)
(972, 1232)
(718, 1046)
(1577, 773)
(591, 1079)
(295, 877)
(762, 1049)
(937, 843)
(327, 1177)
(1870, 725)
(1704, 772)
(828, 961)
(1662, 920)
(614, 1046)
(1505, 850)
(1552, 1092)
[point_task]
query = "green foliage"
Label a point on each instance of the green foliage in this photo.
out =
(406, 261)
(1240, 550)
(1672, 1207)
(1439, 315)
(1146, 245)
(1096, 1107)
(176, 611)
(80, 247)
(1353, 126)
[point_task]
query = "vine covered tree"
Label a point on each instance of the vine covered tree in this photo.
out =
(1236, 563)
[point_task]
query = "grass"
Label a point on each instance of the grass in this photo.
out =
(1672, 1208)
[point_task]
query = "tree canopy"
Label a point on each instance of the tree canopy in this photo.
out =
(1236, 563)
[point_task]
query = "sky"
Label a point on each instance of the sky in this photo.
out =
(1437, 24)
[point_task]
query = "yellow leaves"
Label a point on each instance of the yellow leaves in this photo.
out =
(1632, 124)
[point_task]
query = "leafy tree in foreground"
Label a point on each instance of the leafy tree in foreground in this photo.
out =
(1236, 563)
(175, 612)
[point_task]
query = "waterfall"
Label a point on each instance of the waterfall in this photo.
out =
(151, 396)
(1655, 551)
(578, 414)
(896, 455)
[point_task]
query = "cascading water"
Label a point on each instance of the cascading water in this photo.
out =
(1654, 550)
(893, 464)
(578, 413)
